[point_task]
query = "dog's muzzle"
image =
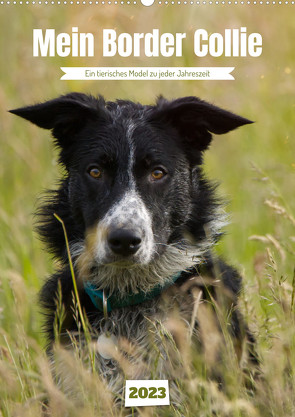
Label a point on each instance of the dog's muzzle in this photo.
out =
(124, 234)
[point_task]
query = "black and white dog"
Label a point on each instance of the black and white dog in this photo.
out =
(141, 220)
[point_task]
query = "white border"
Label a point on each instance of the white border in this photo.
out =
(134, 2)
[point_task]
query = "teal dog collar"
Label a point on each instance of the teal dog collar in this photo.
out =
(114, 301)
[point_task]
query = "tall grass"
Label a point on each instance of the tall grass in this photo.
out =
(256, 168)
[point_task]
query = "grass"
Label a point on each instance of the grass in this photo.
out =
(256, 168)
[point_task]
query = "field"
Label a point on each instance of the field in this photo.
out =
(254, 165)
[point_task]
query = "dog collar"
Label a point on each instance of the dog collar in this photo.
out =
(114, 301)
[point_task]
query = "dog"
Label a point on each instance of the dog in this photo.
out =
(141, 222)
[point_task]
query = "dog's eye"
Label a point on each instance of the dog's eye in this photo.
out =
(158, 174)
(94, 172)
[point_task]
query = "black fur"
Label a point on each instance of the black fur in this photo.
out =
(172, 135)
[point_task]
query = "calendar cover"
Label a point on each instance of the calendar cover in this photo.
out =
(147, 208)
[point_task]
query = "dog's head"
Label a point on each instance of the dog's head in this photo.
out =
(134, 202)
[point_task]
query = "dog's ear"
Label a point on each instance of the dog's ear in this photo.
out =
(65, 115)
(195, 120)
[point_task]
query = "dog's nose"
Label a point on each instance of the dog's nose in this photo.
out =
(124, 242)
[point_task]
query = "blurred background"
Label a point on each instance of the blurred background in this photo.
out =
(255, 165)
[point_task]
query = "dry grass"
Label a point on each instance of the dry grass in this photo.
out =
(28, 386)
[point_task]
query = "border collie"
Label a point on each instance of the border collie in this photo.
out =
(141, 221)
